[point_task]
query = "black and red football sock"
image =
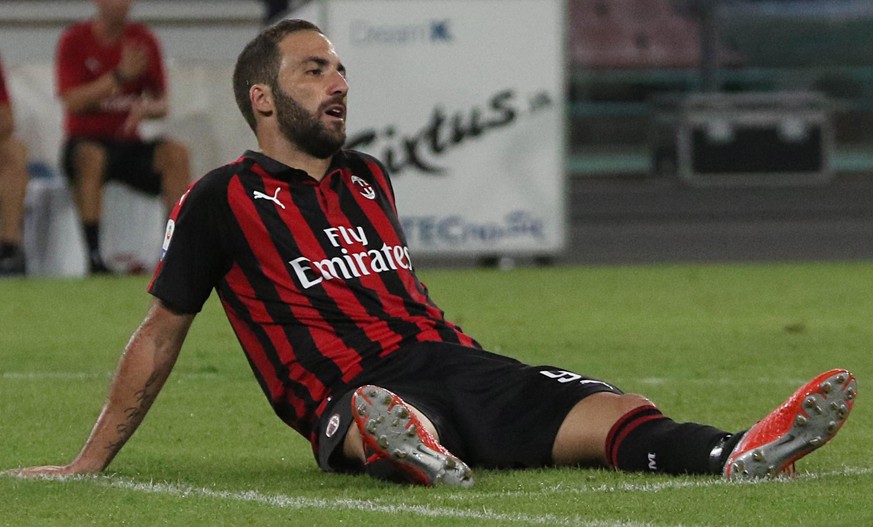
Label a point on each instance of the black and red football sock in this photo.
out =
(645, 440)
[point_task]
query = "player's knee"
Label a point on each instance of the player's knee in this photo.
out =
(172, 157)
(13, 151)
(20, 151)
(582, 435)
(89, 159)
(631, 401)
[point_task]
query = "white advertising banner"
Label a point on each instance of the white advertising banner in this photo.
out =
(463, 101)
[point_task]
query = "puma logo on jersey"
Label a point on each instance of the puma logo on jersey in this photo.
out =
(274, 198)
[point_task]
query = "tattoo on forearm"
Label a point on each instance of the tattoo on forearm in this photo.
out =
(135, 414)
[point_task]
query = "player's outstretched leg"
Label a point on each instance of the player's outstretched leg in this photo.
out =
(803, 423)
(397, 447)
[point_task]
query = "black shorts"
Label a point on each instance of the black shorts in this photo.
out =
(489, 410)
(129, 162)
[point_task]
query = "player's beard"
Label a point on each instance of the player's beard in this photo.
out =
(304, 129)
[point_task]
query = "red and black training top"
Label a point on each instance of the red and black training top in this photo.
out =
(314, 276)
(81, 58)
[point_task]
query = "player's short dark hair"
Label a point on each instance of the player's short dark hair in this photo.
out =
(259, 62)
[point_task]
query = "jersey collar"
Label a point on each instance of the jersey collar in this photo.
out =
(282, 171)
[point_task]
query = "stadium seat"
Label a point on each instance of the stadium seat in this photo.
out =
(604, 45)
(632, 34)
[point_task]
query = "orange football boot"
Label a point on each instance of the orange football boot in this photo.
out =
(803, 423)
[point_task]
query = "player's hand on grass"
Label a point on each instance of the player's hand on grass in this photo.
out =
(49, 471)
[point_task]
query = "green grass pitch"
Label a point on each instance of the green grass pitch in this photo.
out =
(721, 344)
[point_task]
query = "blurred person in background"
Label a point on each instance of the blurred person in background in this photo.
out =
(13, 184)
(110, 77)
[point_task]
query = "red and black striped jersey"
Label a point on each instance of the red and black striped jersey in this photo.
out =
(315, 276)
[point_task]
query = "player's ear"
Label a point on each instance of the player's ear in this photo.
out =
(261, 98)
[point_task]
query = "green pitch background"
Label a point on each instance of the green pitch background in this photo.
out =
(721, 344)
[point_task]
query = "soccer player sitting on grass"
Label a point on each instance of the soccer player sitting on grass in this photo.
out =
(302, 242)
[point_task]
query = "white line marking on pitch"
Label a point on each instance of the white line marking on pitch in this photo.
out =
(297, 502)
(674, 484)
